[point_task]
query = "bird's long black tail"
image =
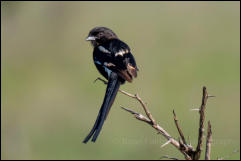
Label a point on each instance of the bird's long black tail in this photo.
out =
(111, 91)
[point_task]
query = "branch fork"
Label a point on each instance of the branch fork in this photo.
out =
(187, 150)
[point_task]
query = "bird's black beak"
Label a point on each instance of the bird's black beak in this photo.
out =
(90, 38)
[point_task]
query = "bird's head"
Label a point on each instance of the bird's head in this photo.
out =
(100, 35)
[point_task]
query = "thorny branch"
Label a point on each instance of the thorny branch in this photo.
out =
(178, 128)
(186, 149)
(201, 124)
(208, 142)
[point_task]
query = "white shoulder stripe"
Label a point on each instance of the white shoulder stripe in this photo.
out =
(121, 52)
(104, 50)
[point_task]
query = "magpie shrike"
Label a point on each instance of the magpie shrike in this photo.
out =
(113, 59)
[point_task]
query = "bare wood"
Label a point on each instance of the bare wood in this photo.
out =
(138, 116)
(128, 94)
(189, 141)
(136, 96)
(208, 142)
(186, 149)
(195, 109)
(178, 128)
(166, 143)
(201, 124)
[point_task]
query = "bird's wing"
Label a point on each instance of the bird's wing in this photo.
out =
(117, 57)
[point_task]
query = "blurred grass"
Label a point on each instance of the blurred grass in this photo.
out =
(49, 102)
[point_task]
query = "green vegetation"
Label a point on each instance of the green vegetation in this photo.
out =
(49, 101)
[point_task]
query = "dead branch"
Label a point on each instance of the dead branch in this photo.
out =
(157, 127)
(201, 124)
(186, 149)
(138, 116)
(178, 128)
(183, 148)
(208, 142)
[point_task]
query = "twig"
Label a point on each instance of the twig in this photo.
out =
(184, 149)
(195, 109)
(128, 110)
(211, 96)
(187, 150)
(136, 96)
(166, 143)
(208, 142)
(178, 127)
(128, 94)
(201, 124)
(138, 116)
(189, 141)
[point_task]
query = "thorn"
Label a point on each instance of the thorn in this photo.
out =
(189, 141)
(180, 141)
(128, 110)
(166, 143)
(195, 109)
(173, 111)
(137, 95)
(174, 114)
(211, 96)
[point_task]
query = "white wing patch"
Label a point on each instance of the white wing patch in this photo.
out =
(104, 50)
(121, 52)
(109, 64)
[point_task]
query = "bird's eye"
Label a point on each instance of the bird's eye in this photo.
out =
(94, 33)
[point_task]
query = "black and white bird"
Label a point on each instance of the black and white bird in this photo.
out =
(113, 59)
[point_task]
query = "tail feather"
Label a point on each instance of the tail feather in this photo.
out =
(111, 92)
(93, 129)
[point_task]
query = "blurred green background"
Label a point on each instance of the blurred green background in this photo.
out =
(49, 101)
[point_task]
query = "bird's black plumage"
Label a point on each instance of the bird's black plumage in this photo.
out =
(114, 61)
